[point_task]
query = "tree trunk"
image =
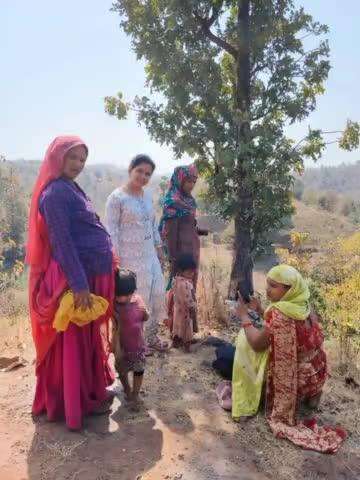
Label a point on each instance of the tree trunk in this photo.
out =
(242, 269)
(241, 279)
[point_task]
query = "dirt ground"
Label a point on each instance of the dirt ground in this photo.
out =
(180, 434)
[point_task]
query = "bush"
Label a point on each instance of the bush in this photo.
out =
(354, 216)
(310, 197)
(347, 207)
(12, 229)
(334, 283)
(328, 201)
(12, 221)
(298, 189)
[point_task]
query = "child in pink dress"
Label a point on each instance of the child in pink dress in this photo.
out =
(130, 314)
(182, 303)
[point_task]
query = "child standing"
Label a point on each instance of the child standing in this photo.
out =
(182, 303)
(130, 314)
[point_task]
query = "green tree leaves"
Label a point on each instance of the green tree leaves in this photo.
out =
(233, 122)
(116, 106)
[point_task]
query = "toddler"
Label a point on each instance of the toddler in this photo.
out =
(182, 303)
(130, 314)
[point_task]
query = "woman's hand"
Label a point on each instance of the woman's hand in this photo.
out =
(255, 304)
(82, 300)
(242, 309)
(161, 256)
(145, 313)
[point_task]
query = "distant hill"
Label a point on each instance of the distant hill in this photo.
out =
(343, 179)
(98, 181)
(321, 225)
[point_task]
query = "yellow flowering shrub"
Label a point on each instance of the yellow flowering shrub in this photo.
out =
(334, 282)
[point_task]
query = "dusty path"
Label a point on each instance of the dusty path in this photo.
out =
(181, 434)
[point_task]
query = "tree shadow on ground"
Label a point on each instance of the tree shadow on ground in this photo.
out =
(166, 396)
(336, 467)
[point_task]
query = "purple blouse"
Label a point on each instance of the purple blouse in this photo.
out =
(79, 241)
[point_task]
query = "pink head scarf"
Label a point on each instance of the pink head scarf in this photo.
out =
(38, 247)
(43, 295)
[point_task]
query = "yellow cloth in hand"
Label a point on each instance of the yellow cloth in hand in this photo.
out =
(67, 312)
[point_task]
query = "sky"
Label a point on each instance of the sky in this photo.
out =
(58, 60)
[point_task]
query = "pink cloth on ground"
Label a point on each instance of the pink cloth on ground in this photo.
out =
(223, 393)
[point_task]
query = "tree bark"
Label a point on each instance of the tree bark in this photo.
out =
(241, 279)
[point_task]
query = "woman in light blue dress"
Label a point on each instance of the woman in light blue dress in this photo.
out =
(130, 219)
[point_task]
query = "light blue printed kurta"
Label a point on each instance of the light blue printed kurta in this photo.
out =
(130, 220)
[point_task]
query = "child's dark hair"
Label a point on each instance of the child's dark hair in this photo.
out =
(139, 159)
(185, 261)
(125, 282)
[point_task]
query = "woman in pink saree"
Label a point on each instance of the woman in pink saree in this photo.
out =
(68, 248)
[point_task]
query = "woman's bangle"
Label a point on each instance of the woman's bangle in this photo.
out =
(246, 324)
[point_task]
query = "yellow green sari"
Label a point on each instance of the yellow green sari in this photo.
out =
(248, 378)
(250, 366)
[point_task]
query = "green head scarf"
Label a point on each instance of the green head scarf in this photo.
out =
(295, 302)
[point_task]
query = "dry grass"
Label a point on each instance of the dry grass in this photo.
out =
(212, 286)
(14, 319)
(13, 304)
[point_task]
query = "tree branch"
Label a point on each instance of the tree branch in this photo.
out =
(306, 36)
(267, 112)
(205, 25)
(298, 144)
(258, 67)
(297, 60)
(322, 133)
(215, 15)
(332, 132)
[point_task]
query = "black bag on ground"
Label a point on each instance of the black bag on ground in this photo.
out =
(224, 360)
